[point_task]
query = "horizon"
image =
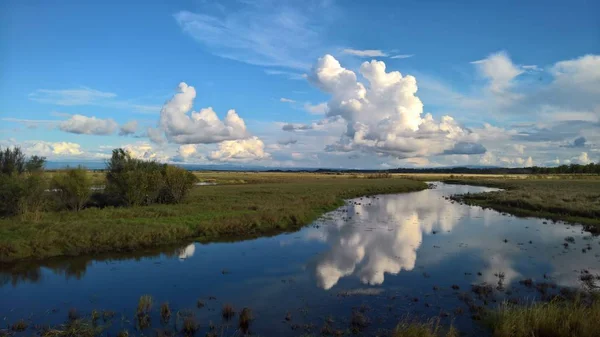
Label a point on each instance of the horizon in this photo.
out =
(292, 85)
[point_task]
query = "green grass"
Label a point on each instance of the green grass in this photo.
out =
(209, 213)
(576, 318)
(432, 328)
(572, 200)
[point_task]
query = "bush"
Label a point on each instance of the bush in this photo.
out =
(134, 182)
(72, 187)
(178, 183)
(22, 185)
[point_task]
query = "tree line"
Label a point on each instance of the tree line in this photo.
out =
(27, 191)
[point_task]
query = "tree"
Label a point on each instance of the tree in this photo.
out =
(178, 183)
(73, 187)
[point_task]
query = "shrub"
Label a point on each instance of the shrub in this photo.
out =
(72, 187)
(178, 183)
(131, 181)
(22, 185)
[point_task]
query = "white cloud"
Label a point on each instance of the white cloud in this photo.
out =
(241, 150)
(290, 75)
(87, 96)
(519, 148)
(365, 52)
(146, 151)
(499, 70)
(199, 127)
(286, 100)
(531, 67)
(264, 33)
(54, 148)
(582, 159)
(402, 56)
(80, 96)
(385, 116)
(317, 109)
(80, 124)
(128, 128)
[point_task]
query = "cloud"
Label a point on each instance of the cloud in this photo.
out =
(87, 96)
(317, 109)
(578, 142)
(46, 149)
(198, 127)
(286, 100)
(80, 96)
(402, 56)
(287, 142)
(532, 67)
(264, 33)
(385, 116)
(365, 52)
(241, 150)
(155, 135)
(466, 148)
(290, 75)
(128, 128)
(146, 151)
(80, 124)
(582, 159)
(296, 127)
(499, 70)
(519, 148)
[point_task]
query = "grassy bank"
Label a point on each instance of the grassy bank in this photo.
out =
(208, 213)
(572, 200)
(555, 319)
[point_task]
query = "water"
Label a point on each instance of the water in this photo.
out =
(382, 255)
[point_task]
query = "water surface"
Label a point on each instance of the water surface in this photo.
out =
(386, 256)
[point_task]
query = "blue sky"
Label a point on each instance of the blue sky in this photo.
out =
(520, 81)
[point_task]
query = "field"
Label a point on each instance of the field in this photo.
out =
(242, 205)
(568, 199)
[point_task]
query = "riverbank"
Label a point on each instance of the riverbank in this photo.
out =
(571, 200)
(209, 213)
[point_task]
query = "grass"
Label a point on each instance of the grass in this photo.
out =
(571, 200)
(268, 204)
(555, 319)
(432, 328)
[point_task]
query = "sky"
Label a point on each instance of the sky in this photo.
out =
(311, 83)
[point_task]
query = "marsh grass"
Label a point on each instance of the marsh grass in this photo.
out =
(431, 328)
(245, 320)
(572, 200)
(20, 325)
(228, 312)
(577, 318)
(143, 311)
(208, 213)
(190, 326)
(165, 312)
(78, 327)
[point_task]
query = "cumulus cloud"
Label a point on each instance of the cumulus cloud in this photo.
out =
(384, 116)
(128, 128)
(240, 150)
(318, 109)
(155, 135)
(47, 149)
(80, 124)
(582, 159)
(499, 70)
(146, 151)
(365, 52)
(198, 127)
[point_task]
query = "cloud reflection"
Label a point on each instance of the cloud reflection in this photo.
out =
(382, 237)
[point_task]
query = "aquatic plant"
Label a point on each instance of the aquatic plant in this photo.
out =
(245, 320)
(165, 312)
(227, 312)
